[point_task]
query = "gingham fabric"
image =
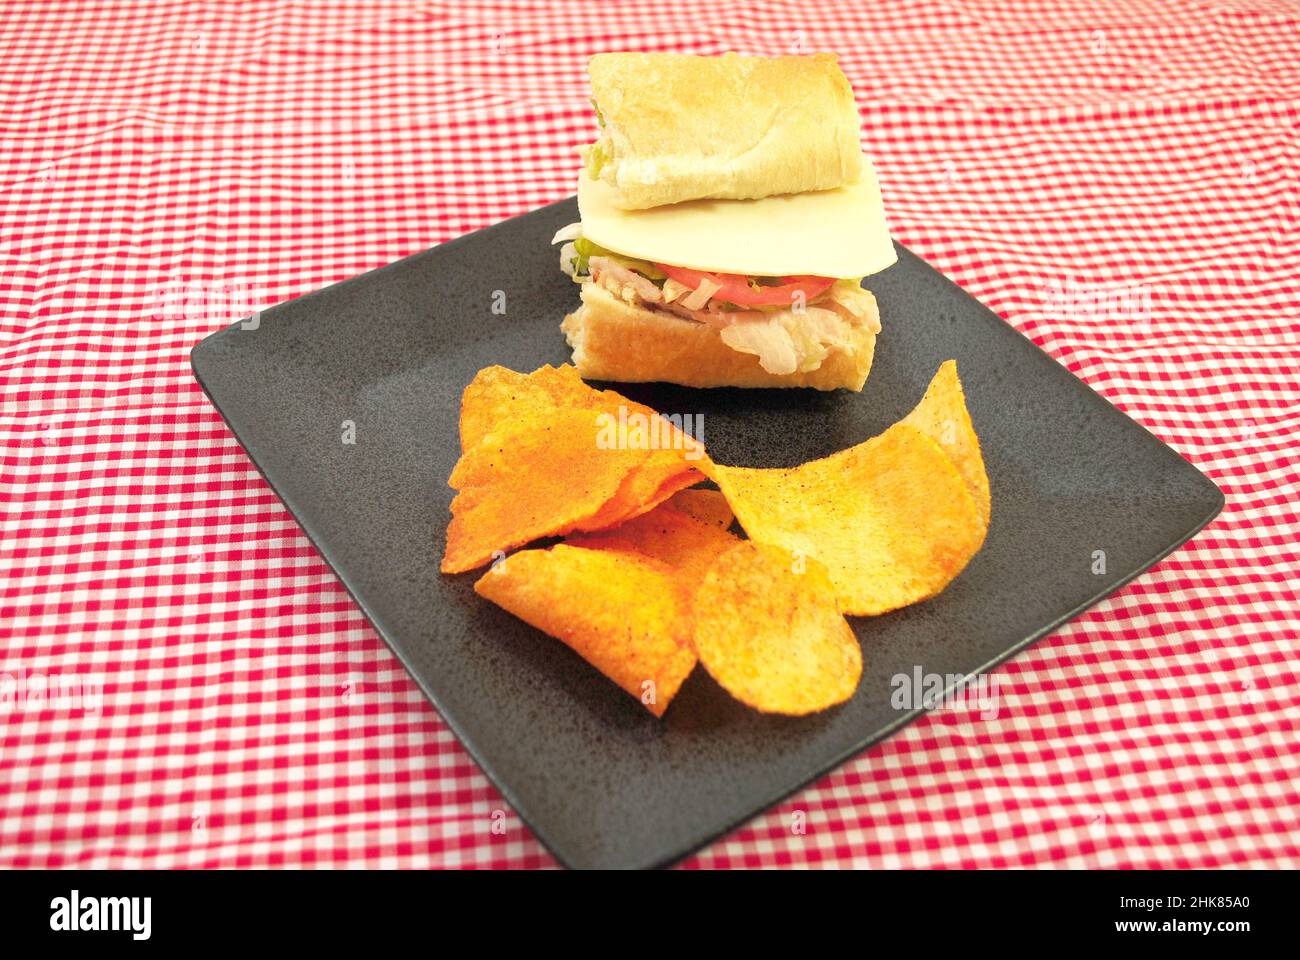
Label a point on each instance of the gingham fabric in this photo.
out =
(1117, 179)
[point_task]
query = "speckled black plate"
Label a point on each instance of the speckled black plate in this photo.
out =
(601, 781)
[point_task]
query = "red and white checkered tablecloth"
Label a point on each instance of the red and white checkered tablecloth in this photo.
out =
(1120, 180)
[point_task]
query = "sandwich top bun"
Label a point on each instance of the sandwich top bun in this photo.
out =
(680, 127)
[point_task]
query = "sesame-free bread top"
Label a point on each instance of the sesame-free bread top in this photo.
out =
(681, 127)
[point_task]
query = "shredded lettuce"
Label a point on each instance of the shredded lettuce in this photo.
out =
(768, 340)
(598, 155)
(789, 343)
(586, 250)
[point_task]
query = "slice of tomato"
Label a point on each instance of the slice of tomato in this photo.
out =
(736, 288)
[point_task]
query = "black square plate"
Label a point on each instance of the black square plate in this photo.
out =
(601, 781)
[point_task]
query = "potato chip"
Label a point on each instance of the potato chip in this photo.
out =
(708, 506)
(891, 518)
(767, 629)
(500, 402)
(942, 416)
(625, 614)
(541, 481)
(661, 476)
(667, 534)
(539, 454)
(496, 394)
(486, 399)
(653, 477)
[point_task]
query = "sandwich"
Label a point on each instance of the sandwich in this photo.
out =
(728, 217)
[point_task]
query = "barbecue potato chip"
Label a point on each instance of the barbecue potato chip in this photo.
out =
(660, 476)
(498, 394)
(499, 402)
(891, 518)
(667, 534)
(542, 480)
(942, 416)
(652, 476)
(542, 455)
(625, 614)
(486, 400)
(709, 506)
(768, 630)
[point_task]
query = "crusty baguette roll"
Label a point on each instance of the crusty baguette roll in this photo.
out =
(681, 127)
(616, 340)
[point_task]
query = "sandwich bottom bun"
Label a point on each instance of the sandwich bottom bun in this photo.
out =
(615, 340)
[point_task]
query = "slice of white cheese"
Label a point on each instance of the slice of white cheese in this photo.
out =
(830, 233)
